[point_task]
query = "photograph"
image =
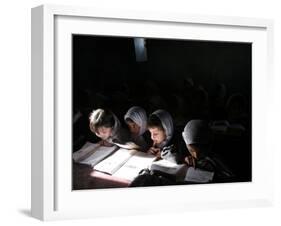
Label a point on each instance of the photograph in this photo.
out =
(158, 112)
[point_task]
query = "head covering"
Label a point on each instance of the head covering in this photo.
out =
(116, 126)
(138, 116)
(196, 132)
(167, 123)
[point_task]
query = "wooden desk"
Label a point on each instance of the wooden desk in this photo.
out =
(84, 177)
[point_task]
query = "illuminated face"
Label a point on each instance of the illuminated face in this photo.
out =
(103, 132)
(134, 128)
(157, 135)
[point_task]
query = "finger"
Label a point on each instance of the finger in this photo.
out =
(151, 150)
(193, 162)
(158, 154)
(186, 160)
(155, 150)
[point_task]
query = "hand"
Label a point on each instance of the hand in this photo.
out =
(105, 143)
(132, 145)
(154, 151)
(190, 160)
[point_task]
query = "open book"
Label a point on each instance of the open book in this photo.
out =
(91, 154)
(181, 172)
(136, 163)
(116, 161)
(175, 171)
(125, 163)
(198, 175)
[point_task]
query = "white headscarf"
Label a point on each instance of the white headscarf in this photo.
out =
(196, 132)
(167, 123)
(138, 116)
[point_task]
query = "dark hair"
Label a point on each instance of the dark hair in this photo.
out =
(101, 117)
(154, 121)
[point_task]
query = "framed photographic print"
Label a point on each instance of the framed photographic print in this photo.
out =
(136, 112)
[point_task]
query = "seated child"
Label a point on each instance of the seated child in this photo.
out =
(136, 120)
(160, 126)
(197, 140)
(196, 136)
(105, 125)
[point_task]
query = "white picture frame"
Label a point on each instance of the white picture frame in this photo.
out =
(52, 197)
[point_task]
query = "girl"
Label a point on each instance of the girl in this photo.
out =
(136, 120)
(196, 136)
(105, 125)
(161, 128)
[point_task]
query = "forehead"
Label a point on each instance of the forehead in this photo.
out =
(102, 128)
(131, 123)
(155, 130)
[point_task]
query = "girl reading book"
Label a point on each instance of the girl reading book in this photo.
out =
(197, 138)
(136, 120)
(105, 125)
(161, 128)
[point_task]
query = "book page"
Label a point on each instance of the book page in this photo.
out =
(115, 161)
(87, 144)
(168, 167)
(134, 165)
(198, 175)
(91, 154)
(86, 149)
(128, 145)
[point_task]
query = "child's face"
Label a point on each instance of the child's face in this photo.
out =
(157, 135)
(103, 132)
(193, 150)
(134, 128)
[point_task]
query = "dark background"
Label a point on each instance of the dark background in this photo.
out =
(184, 77)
